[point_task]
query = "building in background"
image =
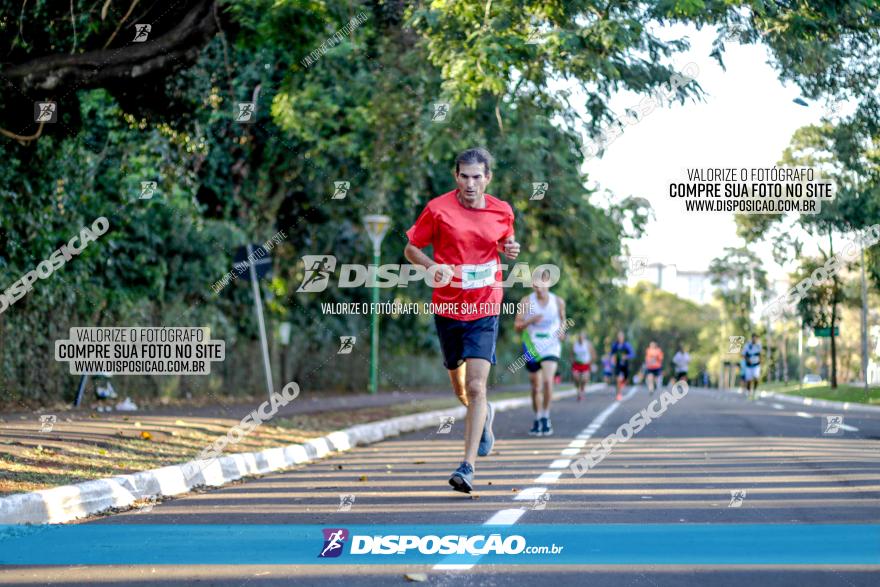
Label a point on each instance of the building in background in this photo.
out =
(693, 285)
(690, 285)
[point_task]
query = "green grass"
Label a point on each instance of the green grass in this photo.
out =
(843, 393)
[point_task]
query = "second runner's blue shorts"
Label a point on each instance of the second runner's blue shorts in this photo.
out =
(466, 339)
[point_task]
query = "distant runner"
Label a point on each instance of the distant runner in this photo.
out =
(681, 361)
(582, 353)
(752, 356)
(467, 229)
(621, 353)
(540, 322)
(653, 366)
(607, 369)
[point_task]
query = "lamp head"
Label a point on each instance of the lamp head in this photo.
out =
(376, 226)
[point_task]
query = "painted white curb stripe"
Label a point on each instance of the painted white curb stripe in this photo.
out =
(71, 502)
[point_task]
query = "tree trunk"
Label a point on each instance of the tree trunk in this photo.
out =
(864, 316)
(784, 356)
(833, 319)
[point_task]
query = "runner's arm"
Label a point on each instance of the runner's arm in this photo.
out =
(509, 247)
(417, 256)
(520, 323)
(562, 326)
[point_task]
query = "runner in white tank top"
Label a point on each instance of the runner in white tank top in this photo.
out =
(543, 336)
(540, 320)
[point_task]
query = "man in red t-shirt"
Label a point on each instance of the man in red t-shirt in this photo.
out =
(467, 229)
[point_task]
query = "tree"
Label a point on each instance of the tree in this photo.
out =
(740, 278)
(847, 163)
(360, 112)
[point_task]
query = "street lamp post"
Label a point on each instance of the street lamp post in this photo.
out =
(376, 226)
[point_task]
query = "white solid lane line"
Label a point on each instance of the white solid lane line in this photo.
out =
(846, 427)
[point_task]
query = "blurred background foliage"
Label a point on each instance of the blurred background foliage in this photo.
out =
(163, 110)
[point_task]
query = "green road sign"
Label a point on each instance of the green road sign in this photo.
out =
(826, 332)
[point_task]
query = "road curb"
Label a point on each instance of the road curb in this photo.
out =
(71, 502)
(819, 403)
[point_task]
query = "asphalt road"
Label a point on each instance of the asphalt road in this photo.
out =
(681, 468)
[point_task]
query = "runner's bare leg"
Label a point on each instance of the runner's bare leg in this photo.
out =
(477, 376)
(457, 377)
(535, 381)
(548, 372)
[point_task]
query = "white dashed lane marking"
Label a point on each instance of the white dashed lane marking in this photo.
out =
(509, 517)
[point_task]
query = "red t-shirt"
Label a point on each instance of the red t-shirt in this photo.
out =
(467, 239)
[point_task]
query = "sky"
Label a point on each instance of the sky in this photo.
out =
(746, 120)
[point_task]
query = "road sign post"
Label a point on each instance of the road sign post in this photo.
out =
(257, 268)
(80, 390)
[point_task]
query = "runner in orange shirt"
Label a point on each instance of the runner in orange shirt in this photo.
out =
(653, 365)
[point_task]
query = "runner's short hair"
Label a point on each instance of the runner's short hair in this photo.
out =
(477, 155)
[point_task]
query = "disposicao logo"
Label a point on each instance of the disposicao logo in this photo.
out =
(334, 541)
(318, 271)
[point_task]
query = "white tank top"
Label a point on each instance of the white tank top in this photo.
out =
(582, 352)
(545, 332)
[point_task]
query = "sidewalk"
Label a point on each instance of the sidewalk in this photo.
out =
(809, 401)
(106, 494)
(84, 445)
